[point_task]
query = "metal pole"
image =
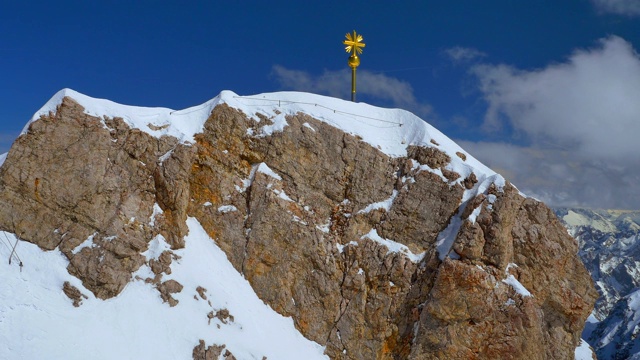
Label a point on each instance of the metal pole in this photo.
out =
(13, 250)
(353, 45)
(353, 84)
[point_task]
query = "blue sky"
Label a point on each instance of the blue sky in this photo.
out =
(542, 91)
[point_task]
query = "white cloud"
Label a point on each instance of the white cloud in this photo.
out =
(580, 119)
(462, 54)
(338, 84)
(620, 7)
(562, 178)
(590, 103)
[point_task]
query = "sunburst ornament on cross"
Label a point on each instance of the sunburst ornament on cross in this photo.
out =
(354, 46)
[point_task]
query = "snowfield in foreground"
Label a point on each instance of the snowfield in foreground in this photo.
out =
(38, 321)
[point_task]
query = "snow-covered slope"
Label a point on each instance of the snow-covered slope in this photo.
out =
(38, 321)
(390, 130)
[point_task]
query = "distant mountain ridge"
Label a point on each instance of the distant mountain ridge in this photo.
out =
(610, 249)
(619, 222)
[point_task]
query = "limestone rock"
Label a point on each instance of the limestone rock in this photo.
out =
(162, 264)
(73, 293)
(213, 352)
(202, 292)
(224, 316)
(167, 288)
(294, 212)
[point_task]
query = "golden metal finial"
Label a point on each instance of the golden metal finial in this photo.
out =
(354, 46)
(354, 43)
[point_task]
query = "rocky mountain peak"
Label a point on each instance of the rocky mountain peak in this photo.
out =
(376, 234)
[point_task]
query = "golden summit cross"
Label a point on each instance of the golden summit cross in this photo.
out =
(354, 43)
(354, 46)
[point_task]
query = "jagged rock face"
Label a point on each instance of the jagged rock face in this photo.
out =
(522, 232)
(291, 212)
(71, 178)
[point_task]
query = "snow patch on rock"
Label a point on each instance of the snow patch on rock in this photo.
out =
(384, 204)
(227, 208)
(393, 247)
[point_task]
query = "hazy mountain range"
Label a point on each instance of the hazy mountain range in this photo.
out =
(610, 249)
